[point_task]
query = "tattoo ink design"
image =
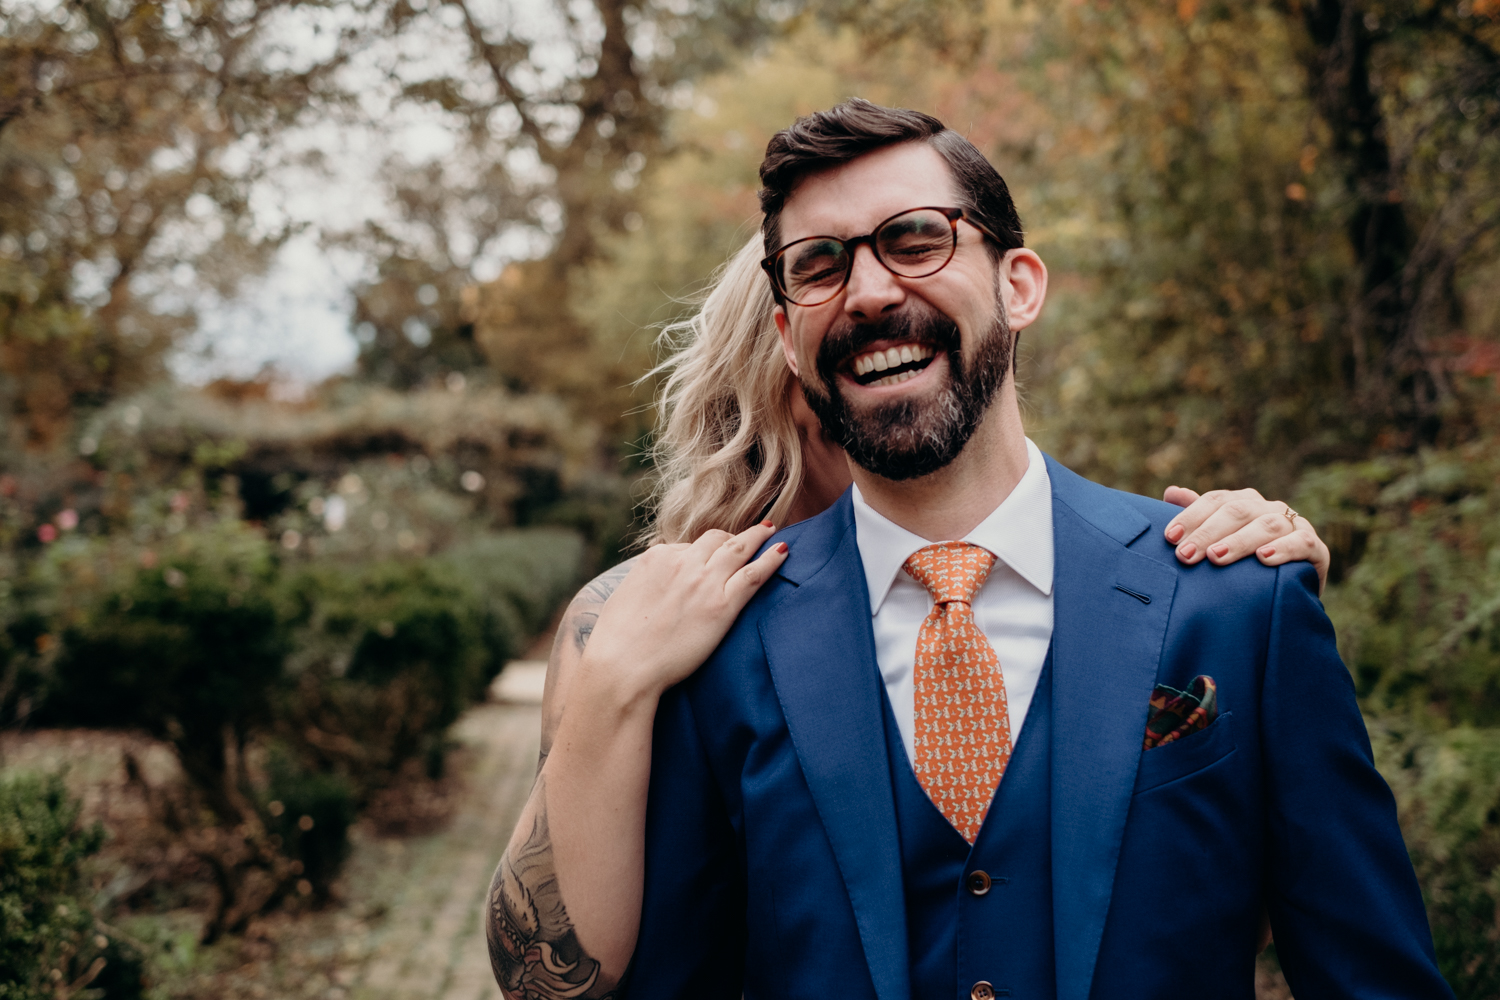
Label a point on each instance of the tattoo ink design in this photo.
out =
(596, 593)
(572, 635)
(585, 628)
(533, 950)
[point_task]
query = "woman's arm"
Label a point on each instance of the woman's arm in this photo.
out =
(564, 905)
(525, 918)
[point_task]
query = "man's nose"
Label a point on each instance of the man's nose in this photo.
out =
(872, 290)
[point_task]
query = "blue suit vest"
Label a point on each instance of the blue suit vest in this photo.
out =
(1003, 935)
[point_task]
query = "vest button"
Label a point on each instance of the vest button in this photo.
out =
(982, 991)
(979, 884)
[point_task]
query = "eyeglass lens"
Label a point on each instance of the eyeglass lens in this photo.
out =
(913, 244)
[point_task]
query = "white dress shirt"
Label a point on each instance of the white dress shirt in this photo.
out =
(1013, 608)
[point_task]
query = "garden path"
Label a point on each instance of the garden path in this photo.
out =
(429, 944)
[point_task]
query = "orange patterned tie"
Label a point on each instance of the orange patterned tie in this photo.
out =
(962, 721)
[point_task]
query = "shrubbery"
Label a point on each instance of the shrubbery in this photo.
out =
(391, 653)
(187, 646)
(49, 937)
(309, 812)
(1447, 786)
(1418, 615)
(298, 666)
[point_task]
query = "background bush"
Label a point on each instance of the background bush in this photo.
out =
(1447, 785)
(1419, 610)
(298, 669)
(48, 933)
(1417, 606)
(310, 812)
(189, 647)
(389, 652)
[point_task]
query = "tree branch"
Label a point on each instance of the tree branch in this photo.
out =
(499, 72)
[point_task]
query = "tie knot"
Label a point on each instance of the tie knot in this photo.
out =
(951, 571)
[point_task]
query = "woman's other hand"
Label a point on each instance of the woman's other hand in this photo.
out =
(673, 608)
(1224, 526)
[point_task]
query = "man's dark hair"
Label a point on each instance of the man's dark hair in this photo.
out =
(849, 130)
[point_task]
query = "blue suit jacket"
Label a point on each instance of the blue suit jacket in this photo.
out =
(773, 865)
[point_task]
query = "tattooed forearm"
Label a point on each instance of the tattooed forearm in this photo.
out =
(534, 951)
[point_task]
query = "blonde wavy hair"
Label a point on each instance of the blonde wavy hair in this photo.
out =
(727, 452)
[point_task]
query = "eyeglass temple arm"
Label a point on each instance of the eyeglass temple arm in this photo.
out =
(968, 217)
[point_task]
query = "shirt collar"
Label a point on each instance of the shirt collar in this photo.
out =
(1018, 532)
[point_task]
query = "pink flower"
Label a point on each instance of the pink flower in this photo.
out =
(47, 533)
(67, 520)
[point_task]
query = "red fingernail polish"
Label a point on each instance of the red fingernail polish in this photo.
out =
(781, 547)
(1174, 533)
(767, 523)
(1219, 550)
(1188, 550)
(1267, 552)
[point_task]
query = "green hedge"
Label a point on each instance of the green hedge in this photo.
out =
(1447, 786)
(48, 933)
(389, 655)
(310, 813)
(351, 669)
(1416, 603)
(188, 647)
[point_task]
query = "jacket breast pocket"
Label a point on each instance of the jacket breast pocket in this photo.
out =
(1183, 757)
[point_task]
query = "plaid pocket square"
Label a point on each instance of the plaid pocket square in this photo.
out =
(1174, 714)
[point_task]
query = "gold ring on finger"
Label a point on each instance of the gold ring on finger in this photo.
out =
(1291, 515)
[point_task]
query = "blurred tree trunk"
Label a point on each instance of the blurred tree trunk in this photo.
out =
(1410, 227)
(1342, 37)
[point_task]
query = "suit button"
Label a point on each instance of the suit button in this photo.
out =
(979, 884)
(982, 990)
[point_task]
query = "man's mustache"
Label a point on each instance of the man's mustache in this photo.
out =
(849, 338)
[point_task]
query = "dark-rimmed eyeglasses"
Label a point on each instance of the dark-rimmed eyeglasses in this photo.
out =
(911, 244)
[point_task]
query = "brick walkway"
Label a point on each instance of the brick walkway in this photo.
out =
(429, 945)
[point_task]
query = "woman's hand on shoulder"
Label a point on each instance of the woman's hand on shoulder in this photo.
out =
(674, 607)
(1224, 526)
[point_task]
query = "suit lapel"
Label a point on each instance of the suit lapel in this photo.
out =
(821, 652)
(1107, 643)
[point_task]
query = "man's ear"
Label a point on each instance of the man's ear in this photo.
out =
(1023, 284)
(786, 339)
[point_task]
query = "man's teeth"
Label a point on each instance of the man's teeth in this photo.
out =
(879, 361)
(895, 379)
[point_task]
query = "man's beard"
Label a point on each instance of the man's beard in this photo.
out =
(907, 438)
